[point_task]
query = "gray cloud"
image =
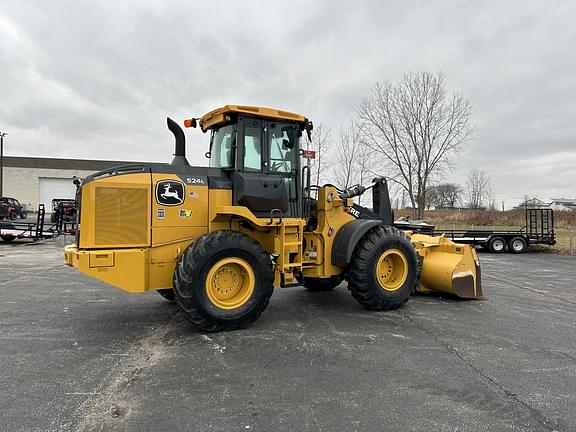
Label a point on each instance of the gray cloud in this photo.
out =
(96, 79)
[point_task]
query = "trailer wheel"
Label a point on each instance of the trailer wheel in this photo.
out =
(517, 245)
(223, 281)
(383, 272)
(497, 245)
(326, 284)
(7, 237)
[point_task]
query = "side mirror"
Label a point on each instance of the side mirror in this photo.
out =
(309, 126)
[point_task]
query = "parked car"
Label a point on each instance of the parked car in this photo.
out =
(10, 208)
(68, 207)
(4, 211)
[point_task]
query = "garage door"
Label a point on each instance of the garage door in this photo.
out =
(51, 188)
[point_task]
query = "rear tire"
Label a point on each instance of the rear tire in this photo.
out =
(223, 281)
(497, 245)
(384, 270)
(325, 284)
(517, 245)
(7, 237)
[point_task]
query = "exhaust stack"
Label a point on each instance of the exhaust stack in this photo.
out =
(179, 145)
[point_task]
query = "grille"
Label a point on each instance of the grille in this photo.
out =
(121, 216)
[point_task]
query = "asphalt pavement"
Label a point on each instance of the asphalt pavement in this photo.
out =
(77, 355)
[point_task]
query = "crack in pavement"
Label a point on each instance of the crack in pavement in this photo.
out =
(536, 414)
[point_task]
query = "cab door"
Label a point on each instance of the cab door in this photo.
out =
(262, 179)
(283, 160)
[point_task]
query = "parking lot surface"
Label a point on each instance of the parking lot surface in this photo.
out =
(77, 355)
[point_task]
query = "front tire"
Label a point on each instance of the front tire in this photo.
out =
(384, 269)
(223, 281)
(23, 215)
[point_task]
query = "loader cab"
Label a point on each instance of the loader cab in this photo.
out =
(261, 157)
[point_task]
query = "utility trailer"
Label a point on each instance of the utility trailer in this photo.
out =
(539, 229)
(12, 230)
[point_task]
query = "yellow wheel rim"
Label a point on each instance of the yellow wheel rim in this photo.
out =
(392, 269)
(230, 283)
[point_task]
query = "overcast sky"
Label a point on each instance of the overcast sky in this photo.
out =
(97, 79)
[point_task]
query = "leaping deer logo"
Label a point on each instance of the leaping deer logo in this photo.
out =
(170, 194)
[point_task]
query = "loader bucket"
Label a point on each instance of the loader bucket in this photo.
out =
(448, 267)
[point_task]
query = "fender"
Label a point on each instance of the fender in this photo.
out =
(348, 237)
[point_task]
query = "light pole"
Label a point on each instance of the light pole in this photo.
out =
(2, 135)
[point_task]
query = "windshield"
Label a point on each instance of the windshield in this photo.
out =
(221, 148)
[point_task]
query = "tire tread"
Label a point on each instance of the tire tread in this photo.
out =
(360, 282)
(190, 263)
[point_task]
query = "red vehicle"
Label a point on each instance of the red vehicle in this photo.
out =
(10, 208)
(67, 207)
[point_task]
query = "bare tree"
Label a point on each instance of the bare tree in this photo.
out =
(354, 162)
(444, 195)
(415, 126)
(364, 167)
(321, 142)
(479, 192)
(432, 198)
(347, 156)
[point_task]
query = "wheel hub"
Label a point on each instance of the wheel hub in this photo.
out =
(498, 245)
(230, 283)
(392, 269)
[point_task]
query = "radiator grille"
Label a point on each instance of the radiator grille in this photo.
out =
(121, 216)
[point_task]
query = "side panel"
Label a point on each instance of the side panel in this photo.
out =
(332, 217)
(171, 219)
(179, 215)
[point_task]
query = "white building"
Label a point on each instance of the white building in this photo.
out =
(563, 204)
(34, 180)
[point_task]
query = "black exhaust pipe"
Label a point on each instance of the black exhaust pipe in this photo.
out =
(179, 145)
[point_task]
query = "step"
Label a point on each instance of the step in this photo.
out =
(292, 265)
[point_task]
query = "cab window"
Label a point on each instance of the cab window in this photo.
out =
(252, 149)
(221, 150)
(282, 148)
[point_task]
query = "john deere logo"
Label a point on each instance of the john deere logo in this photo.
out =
(169, 192)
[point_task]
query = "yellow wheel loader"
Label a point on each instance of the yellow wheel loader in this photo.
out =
(217, 240)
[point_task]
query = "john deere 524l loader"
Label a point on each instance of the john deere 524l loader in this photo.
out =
(219, 239)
